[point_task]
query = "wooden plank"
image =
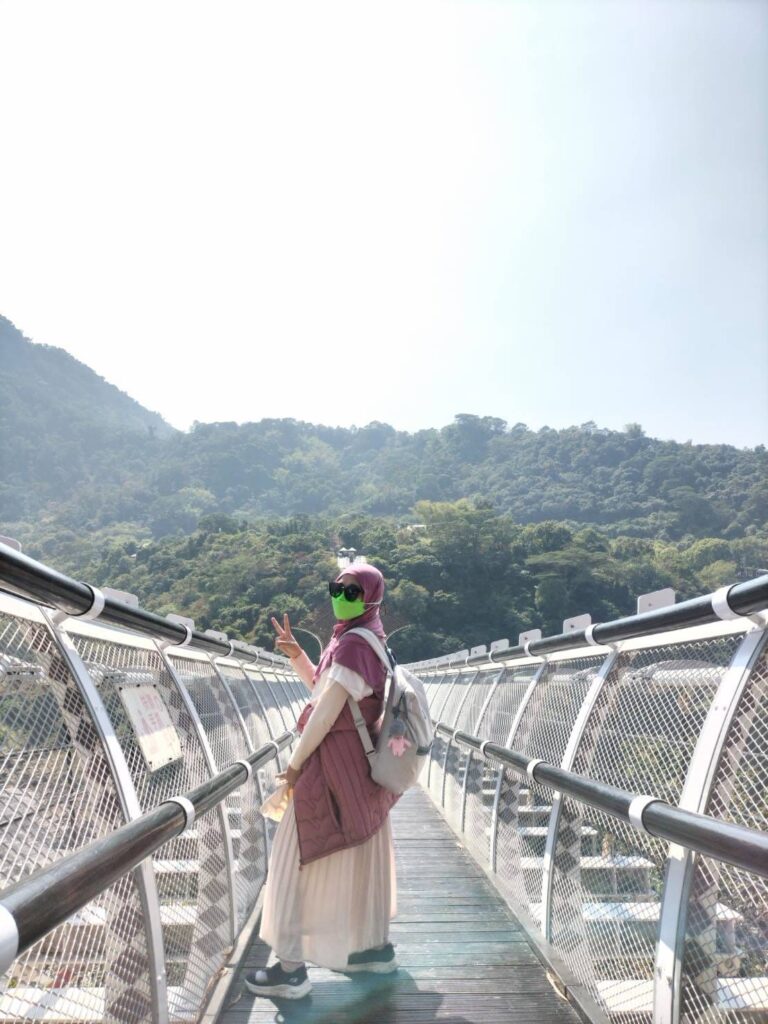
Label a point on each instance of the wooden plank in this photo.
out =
(464, 958)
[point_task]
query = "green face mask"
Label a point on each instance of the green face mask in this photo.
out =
(344, 609)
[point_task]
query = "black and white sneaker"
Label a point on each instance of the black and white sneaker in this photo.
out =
(279, 984)
(377, 961)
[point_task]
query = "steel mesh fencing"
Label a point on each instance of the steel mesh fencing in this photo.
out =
(725, 956)
(483, 776)
(224, 733)
(293, 702)
(524, 807)
(264, 683)
(434, 688)
(607, 876)
(451, 687)
(191, 869)
(458, 757)
(245, 696)
(57, 794)
(259, 677)
(448, 766)
(244, 684)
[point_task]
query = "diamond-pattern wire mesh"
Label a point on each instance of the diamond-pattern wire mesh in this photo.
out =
(190, 869)
(456, 761)
(270, 726)
(56, 795)
(725, 961)
(482, 776)
(243, 682)
(451, 686)
(524, 807)
(264, 683)
(222, 729)
(608, 877)
(289, 699)
(432, 687)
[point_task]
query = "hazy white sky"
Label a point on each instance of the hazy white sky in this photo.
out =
(548, 212)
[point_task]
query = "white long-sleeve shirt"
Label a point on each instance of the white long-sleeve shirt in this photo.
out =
(329, 695)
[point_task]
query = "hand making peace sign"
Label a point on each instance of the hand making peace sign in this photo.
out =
(285, 641)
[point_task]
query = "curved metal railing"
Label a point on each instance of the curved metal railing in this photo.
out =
(614, 784)
(106, 719)
(582, 771)
(36, 905)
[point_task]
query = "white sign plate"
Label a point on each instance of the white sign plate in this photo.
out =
(155, 732)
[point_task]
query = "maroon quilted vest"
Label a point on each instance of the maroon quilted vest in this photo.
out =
(337, 803)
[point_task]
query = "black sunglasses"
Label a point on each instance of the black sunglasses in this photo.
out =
(351, 591)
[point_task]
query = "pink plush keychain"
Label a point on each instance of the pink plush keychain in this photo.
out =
(397, 741)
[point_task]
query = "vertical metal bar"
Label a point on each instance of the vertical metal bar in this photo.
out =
(233, 702)
(510, 738)
(213, 768)
(256, 778)
(257, 775)
(478, 722)
(259, 701)
(449, 744)
(129, 803)
(574, 740)
(436, 716)
(699, 781)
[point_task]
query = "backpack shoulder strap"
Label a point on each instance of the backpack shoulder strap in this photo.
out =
(375, 643)
(362, 728)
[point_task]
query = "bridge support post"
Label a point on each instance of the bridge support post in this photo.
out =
(256, 781)
(454, 724)
(213, 768)
(722, 718)
(509, 743)
(557, 803)
(129, 803)
(474, 727)
(437, 716)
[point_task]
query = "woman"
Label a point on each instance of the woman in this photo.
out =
(331, 887)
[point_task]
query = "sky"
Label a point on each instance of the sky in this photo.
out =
(548, 212)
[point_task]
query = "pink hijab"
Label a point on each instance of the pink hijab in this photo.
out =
(357, 654)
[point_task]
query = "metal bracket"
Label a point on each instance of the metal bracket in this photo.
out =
(248, 767)
(93, 612)
(589, 635)
(483, 745)
(531, 765)
(637, 809)
(531, 654)
(9, 939)
(720, 605)
(187, 806)
(182, 643)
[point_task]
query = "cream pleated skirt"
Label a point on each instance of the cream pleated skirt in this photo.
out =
(335, 906)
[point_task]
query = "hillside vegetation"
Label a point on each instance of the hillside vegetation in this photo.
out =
(517, 528)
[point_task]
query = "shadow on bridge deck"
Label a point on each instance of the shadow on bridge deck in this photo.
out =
(463, 957)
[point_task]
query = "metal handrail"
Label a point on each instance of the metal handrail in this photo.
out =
(730, 602)
(39, 903)
(22, 575)
(745, 848)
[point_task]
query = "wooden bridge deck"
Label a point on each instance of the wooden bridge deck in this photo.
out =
(463, 958)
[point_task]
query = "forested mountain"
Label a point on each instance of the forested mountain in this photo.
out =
(62, 425)
(466, 575)
(231, 522)
(80, 453)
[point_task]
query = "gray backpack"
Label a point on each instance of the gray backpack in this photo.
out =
(406, 730)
